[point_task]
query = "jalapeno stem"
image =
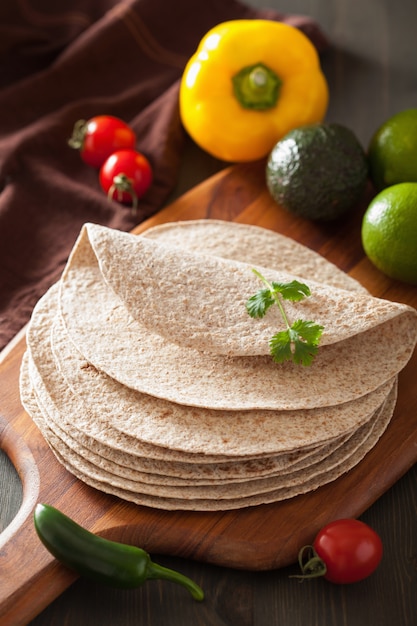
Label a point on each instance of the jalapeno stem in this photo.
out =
(156, 571)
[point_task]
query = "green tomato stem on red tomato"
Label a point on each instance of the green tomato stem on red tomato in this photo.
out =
(123, 185)
(126, 176)
(97, 138)
(311, 565)
(344, 551)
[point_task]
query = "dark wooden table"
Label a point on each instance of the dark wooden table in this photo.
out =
(372, 70)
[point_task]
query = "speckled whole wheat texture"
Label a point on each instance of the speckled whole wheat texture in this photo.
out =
(90, 428)
(194, 488)
(112, 450)
(254, 244)
(198, 301)
(181, 427)
(158, 452)
(110, 339)
(129, 490)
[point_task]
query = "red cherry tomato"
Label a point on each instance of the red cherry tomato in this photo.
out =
(99, 137)
(126, 176)
(344, 551)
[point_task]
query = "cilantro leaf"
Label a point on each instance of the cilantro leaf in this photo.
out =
(280, 346)
(310, 332)
(299, 342)
(294, 290)
(305, 337)
(304, 353)
(258, 304)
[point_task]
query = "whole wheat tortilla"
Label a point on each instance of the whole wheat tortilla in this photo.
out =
(110, 339)
(96, 375)
(198, 301)
(264, 247)
(107, 482)
(64, 408)
(205, 431)
(171, 474)
(177, 427)
(129, 454)
(95, 423)
(133, 480)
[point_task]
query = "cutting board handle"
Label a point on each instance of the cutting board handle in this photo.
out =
(24, 560)
(255, 538)
(22, 458)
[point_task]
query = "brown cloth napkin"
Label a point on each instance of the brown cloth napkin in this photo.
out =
(73, 59)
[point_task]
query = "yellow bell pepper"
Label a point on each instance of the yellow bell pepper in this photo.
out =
(247, 85)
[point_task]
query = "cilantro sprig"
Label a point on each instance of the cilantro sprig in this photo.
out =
(300, 340)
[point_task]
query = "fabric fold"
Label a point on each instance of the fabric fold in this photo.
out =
(71, 61)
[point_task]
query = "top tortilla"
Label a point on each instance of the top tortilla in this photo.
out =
(255, 245)
(198, 301)
(118, 324)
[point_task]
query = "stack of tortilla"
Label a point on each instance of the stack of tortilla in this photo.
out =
(150, 381)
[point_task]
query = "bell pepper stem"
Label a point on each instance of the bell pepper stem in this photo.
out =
(257, 87)
(159, 572)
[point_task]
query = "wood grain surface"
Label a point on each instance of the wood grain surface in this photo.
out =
(256, 538)
(371, 69)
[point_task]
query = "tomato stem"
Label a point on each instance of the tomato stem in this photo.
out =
(123, 184)
(76, 140)
(312, 566)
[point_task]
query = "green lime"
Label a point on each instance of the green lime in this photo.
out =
(317, 171)
(392, 151)
(389, 232)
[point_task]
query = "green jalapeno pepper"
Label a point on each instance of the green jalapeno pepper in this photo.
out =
(115, 564)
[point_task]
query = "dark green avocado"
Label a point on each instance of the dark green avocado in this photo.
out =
(317, 171)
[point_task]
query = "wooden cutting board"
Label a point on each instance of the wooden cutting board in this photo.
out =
(257, 538)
